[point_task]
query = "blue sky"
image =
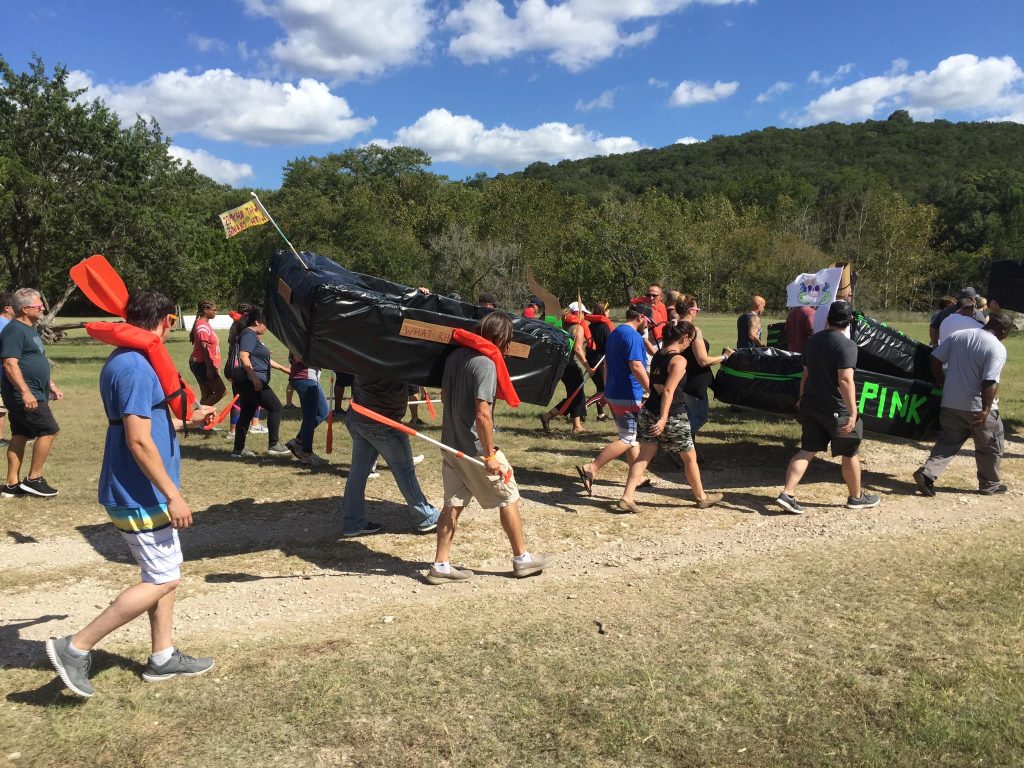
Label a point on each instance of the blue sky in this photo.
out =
(243, 86)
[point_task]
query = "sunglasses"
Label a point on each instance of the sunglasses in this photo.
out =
(653, 295)
(40, 307)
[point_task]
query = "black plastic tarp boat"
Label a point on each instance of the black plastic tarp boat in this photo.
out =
(768, 380)
(340, 320)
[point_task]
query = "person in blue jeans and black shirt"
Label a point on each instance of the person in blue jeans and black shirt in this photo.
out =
(828, 410)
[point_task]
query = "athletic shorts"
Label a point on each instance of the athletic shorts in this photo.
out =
(464, 481)
(675, 438)
(153, 542)
(32, 424)
(624, 412)
(820, 429)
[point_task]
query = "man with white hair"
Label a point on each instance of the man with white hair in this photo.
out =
(26, 390)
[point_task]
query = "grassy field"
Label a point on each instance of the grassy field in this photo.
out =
(674, 637)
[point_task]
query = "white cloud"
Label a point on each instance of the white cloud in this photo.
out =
(347, 39)
(221, 105)
(575, 33)
(690, 92)
(464, 139)
(819, 79)
(689, 140)
(988, 88)
(217, 168)
(777, 89)
(656, 83)
(207, 44)
(605, 101)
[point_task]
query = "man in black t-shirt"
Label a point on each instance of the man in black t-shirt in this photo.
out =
(828, 410)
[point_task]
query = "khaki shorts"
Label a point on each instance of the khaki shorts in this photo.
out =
(3, 408)
(464, 481)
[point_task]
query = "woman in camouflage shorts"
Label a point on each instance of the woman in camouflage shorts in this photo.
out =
(663, 420)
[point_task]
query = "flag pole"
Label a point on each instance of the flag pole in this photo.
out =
(267, 214)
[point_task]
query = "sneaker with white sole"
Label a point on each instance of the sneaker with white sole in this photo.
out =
(11, 491)
(72, 668)
(789, 503)
(368, 529)
(418, 459)
(454, 574)
(260, 430)
(37, 487)
(866, 501)
(277, 450)
(245, 453)
(180, 664)
(535, 564)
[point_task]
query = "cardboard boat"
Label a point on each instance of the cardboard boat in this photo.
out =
(340, 320)
(768, 380)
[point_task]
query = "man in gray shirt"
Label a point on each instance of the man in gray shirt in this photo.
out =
(469, 387)
(974, 361)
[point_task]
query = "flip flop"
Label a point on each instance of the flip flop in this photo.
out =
(588, 480)
(628, 507)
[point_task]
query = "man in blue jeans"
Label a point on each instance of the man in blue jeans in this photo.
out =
(371, 439)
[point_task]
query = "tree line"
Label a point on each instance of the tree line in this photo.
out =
(723, 220)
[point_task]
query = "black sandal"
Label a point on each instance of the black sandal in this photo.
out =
(588, 480)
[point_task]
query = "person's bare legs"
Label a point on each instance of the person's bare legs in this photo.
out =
(129, 605)
(446, 524)
(609, 453)
(851, 474)
(161, 623)
(512, 522)
(15, 455)
(689, 459)
(795, 472)
(645, 452)
(39, 453)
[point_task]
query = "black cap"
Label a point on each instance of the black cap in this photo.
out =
(487, 298)
(643, 308)
(535, 300)
(967, 293)
(840, 313)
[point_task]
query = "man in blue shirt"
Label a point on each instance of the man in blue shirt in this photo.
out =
(625, 377)
(138, 486)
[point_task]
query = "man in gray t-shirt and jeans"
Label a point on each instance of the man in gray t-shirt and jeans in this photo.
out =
(974, 360)
(468, 390)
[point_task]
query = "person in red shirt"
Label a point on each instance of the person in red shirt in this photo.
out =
(657, 302)
(205, 359)
(799, 328)
(534, 308)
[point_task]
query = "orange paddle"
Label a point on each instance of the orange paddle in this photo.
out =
(101, 284)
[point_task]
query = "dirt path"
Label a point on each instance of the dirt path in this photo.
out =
(60, 582)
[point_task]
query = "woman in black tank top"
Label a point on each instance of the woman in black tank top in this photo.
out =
(663, 420)
(698, 370)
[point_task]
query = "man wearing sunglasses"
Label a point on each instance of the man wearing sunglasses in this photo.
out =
(657, 302)
(26, 390)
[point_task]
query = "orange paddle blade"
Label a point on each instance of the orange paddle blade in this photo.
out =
(430, 404)
(101, 284)
(381, 419)
(222, 415)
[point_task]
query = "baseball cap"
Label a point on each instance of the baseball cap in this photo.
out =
(840, 313)
(643, 309)
(967, 293)
(536, 300)
(964, 302)
(577, 307)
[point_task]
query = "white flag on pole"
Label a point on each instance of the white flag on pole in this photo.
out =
(812, 290)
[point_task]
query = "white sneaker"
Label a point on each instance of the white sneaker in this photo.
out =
(260, 430)
(418, 458)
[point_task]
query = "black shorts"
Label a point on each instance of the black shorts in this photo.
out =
(31, 424)
(820, 429)
(202, 374)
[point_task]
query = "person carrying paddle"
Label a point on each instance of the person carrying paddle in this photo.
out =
(139, 488)
(469, 386)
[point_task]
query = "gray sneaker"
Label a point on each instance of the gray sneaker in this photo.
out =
(278, 450)
(179, 664)
(536, 565)
(245, 453)
(789, 503)
(866, 501)
(454, 574)
(73, 670)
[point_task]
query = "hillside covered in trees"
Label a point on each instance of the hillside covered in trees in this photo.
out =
(918, 207)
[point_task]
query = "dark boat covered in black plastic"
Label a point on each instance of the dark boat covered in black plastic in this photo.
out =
(340, 320)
